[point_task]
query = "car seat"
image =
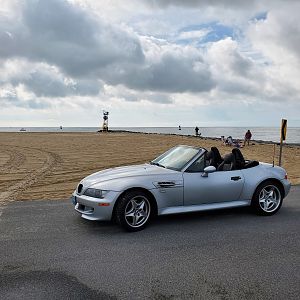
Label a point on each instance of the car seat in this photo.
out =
(228, 163)
(241, 163)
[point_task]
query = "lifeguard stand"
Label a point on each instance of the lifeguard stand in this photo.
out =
(105, 121)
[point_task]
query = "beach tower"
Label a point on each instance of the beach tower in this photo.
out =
(105, 121)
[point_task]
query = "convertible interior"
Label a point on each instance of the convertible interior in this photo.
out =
(232, 161)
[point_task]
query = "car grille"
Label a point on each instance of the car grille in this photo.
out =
(79, 188)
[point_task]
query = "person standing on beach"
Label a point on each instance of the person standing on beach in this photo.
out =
(196, 130)
(248, 136)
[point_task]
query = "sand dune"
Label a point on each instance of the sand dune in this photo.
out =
(50, 165)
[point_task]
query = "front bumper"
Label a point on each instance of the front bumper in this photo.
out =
(94, 208)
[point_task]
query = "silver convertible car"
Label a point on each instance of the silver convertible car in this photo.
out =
(183, 179)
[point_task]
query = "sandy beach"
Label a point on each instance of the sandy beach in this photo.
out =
(49, 165)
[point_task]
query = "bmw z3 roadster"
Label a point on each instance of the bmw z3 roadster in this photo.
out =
(183, 179)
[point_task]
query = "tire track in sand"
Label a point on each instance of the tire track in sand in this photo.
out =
(16, 159)
(52, 159)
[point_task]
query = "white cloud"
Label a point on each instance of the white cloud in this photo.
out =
(276, 39)
(235, 73)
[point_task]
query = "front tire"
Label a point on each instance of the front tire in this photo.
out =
(267, 198)
(133, 210)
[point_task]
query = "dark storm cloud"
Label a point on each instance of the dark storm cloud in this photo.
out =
(44, 84)
(171, 74)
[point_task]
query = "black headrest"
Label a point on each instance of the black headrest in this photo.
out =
(239, 158)
(217, 154)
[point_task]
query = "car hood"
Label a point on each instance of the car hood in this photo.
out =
(125, 172)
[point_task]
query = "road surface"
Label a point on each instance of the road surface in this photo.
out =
(48, 252)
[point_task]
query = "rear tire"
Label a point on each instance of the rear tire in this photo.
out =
(133, 210)
(267, 198)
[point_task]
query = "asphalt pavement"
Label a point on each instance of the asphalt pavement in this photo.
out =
(48, 252)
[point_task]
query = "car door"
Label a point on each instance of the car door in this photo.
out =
(219, 186)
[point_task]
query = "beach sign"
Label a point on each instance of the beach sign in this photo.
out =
(282, 137)
(283, 129)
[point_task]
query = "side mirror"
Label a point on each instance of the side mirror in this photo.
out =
(209, 169)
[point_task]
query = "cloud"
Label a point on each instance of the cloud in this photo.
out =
(171, 74)
(70, 38)
(275, 38)
(46, 84)
(125, 94)
(276, 34)
(9, 98)
(168, 68)
(225, 57)
(65, 35)
(199, 3)
(45, 81)
(149, 53)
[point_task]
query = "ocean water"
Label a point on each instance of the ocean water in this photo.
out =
(258, 133)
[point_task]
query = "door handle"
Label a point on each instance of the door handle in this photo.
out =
(236, 178)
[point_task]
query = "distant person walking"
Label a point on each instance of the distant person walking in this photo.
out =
(196, 130)
(248, 137)
(179, 127)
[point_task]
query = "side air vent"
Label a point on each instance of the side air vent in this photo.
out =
(79, 188)
(166, 184)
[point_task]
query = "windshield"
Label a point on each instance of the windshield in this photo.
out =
(176, 158)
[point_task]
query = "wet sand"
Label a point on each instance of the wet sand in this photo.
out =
(50, 165)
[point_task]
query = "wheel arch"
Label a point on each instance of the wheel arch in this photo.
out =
(152, 199)
(275, 180)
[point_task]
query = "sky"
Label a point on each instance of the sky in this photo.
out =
(149, 62)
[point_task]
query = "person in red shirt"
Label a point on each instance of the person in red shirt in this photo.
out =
(248, 136)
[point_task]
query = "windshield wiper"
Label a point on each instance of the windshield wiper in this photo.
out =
(156, 164)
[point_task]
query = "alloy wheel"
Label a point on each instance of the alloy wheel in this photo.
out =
(269, 198)
(137, 211)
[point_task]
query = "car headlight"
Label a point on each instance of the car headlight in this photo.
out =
(95, 193)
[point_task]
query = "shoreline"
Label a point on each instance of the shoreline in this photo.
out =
(198, 137)
(268, 135)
